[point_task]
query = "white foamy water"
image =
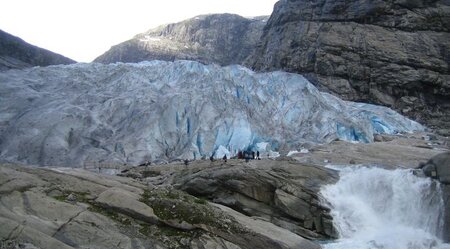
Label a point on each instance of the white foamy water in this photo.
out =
(375, 208)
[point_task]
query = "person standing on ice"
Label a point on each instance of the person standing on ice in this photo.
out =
(257, 155)
(224, 158)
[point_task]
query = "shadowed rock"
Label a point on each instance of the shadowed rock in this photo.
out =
(438, 167)
(16, 54)
(393, 53)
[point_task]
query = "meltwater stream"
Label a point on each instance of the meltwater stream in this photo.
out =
(375, 208)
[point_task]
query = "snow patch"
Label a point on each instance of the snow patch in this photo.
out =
(148, 38)
(293, 152)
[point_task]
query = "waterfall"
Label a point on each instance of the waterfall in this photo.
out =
(375, 208)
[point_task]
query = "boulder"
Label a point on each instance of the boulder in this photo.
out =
(438, 167)
(442, 162)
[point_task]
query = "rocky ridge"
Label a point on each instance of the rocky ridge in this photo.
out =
(393, 53)
(223, 39)
(69, 208)
(16, 54)
(283, 191)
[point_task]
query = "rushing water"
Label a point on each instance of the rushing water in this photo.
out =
(375, 208)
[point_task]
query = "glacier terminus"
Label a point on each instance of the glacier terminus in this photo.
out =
(159, 111)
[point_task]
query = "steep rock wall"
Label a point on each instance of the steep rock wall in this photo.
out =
(395, 53)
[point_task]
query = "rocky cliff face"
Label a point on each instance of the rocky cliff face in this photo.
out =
(16, 53)
(395, 53)
(220, 38)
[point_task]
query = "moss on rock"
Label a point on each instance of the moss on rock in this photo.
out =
(175, 205)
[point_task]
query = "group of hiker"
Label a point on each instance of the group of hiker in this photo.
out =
(246, 155)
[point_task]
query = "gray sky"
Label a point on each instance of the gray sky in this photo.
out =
(84, 29)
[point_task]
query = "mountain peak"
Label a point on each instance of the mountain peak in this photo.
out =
(15, 53)
(223, 39)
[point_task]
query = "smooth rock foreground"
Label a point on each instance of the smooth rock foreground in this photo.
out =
(74, 208)
(282, 191)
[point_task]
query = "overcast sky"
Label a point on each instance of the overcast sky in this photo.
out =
(84, 29)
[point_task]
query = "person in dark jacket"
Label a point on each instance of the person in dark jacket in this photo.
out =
(224, 158)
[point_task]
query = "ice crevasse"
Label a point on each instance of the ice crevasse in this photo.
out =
(130, 113)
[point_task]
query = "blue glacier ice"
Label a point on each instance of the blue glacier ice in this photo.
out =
(129, 113)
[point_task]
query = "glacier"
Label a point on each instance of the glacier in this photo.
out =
(120, 113)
